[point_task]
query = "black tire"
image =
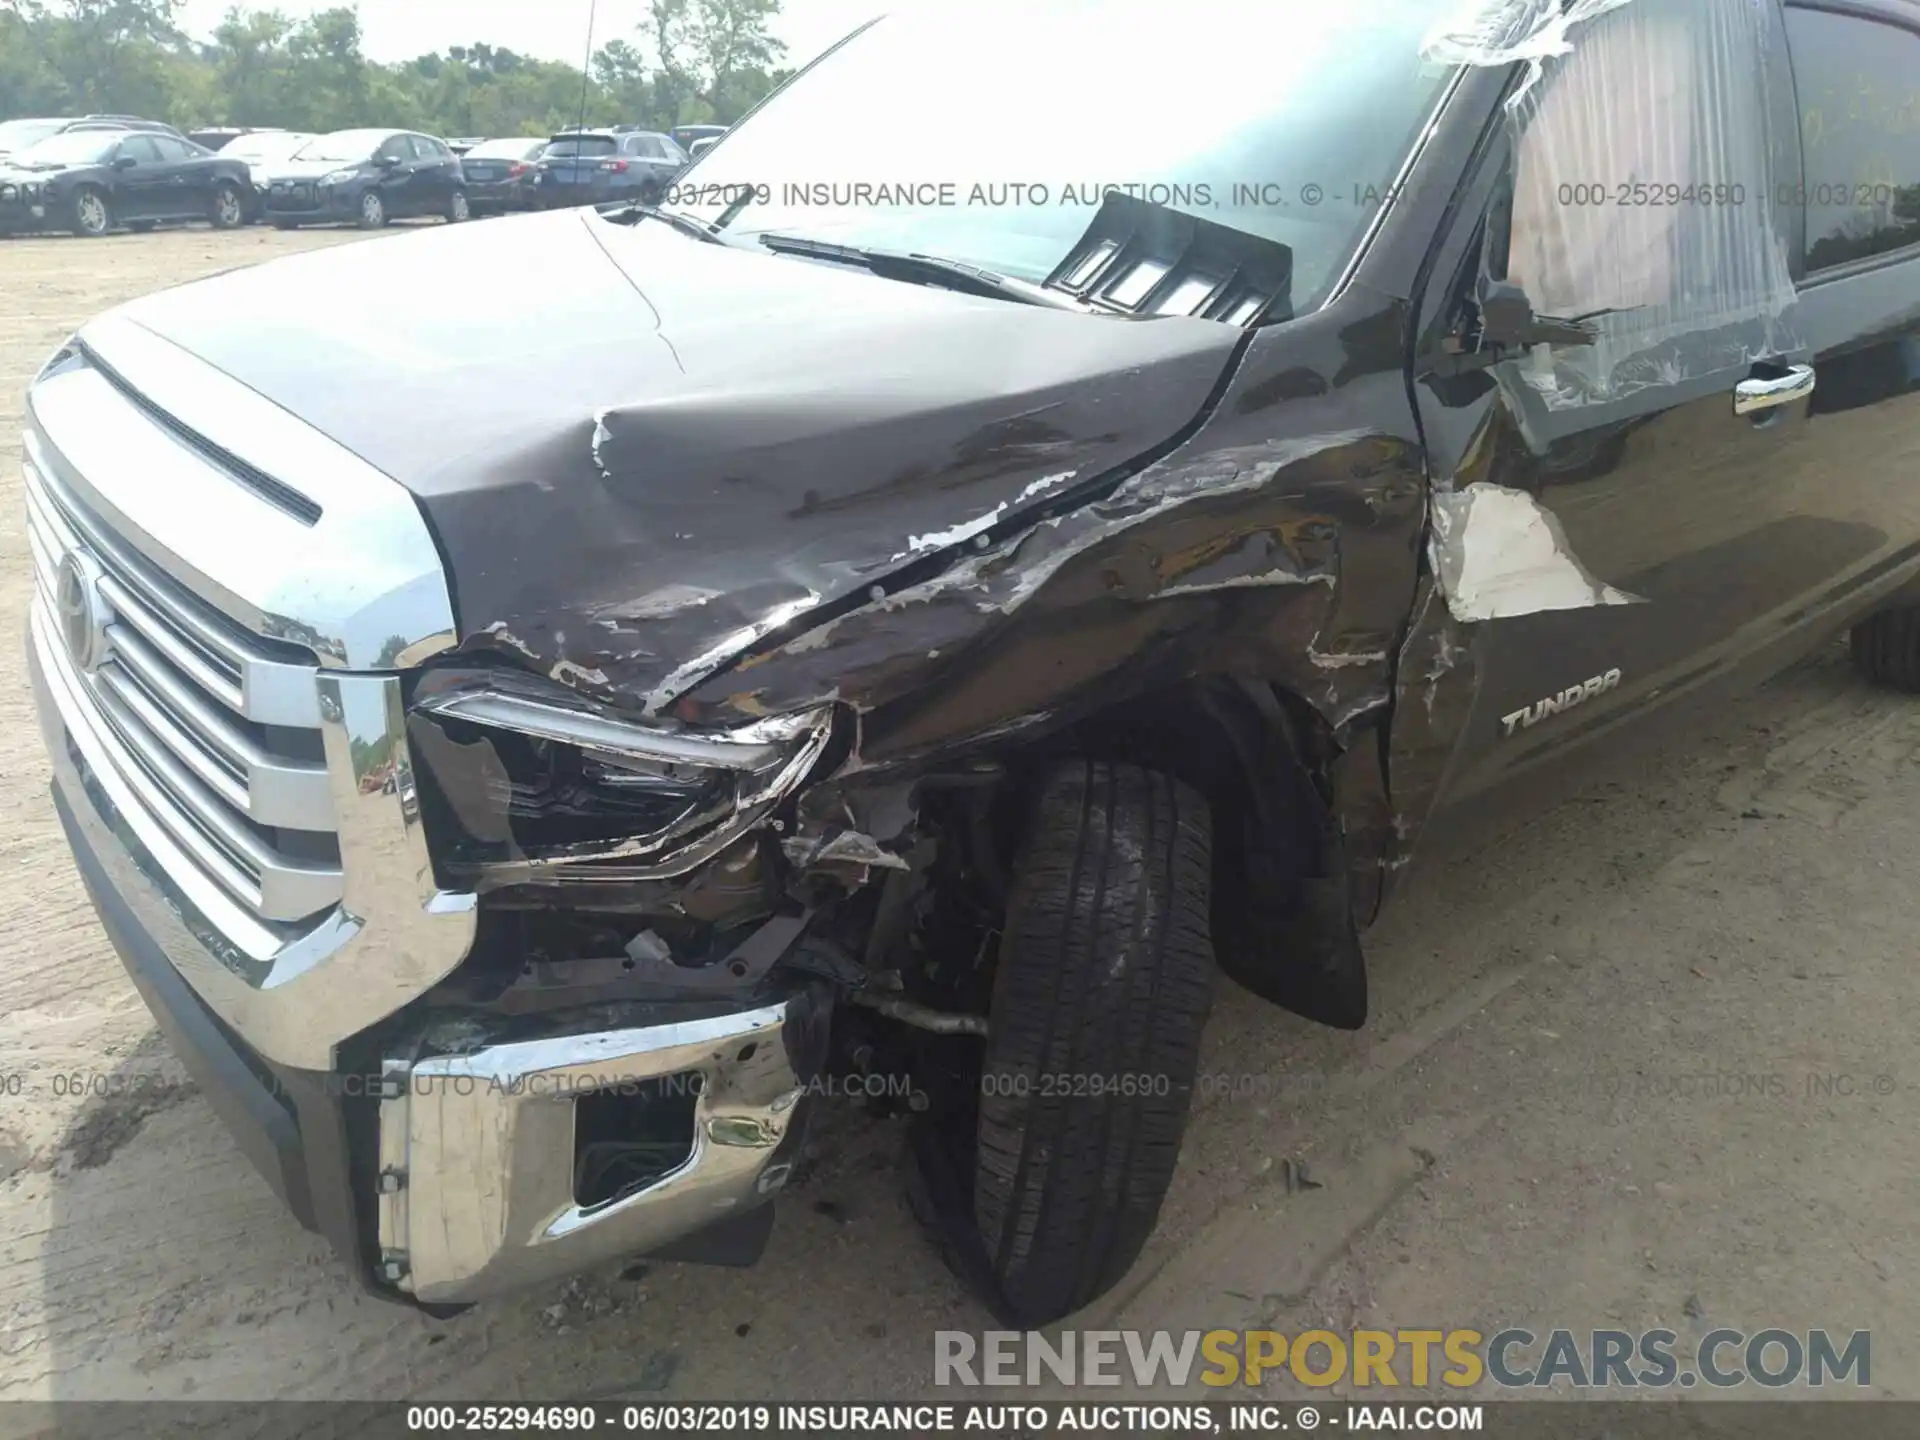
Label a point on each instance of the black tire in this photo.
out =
(87, 220)
(370, 212)
(1104, 979)
(229, 208)
(459, 208)
(1886, 648)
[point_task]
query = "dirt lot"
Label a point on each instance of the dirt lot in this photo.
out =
(1647, 1062)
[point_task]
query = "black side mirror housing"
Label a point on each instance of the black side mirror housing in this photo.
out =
(124, 162)
(1507, 318)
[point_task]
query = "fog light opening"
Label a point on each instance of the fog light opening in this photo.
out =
(628, 1137)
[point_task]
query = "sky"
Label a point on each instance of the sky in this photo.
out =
(548, 29)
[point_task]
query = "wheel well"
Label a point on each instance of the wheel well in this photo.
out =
(1284, 922)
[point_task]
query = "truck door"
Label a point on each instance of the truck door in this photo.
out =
(1616, 518)
(1857, 80)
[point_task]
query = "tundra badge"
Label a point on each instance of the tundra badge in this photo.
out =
(1529, 716)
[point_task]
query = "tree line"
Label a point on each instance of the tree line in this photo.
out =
(691, 61)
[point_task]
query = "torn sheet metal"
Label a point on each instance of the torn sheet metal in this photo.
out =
(1286, 526)
(1498, 552)
(1436, 686)
(848, 856)
(1260, 530)
(1642, 186)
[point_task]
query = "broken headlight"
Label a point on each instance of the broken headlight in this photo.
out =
(530, 778)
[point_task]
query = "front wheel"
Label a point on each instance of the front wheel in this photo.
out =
(457, 208)
(1104, 980)
(227, 211)
(373, 211)
(92, 216)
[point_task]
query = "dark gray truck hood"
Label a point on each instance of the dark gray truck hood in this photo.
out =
(642, 453)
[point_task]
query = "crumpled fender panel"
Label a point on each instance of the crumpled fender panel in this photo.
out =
(1281, 542)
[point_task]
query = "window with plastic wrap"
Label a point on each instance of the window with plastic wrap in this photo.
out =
(1859, 88)
(1644, 198)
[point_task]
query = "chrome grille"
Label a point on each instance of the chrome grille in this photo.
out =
(215, 729)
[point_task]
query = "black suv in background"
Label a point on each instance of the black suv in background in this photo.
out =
(90, 179)
(366, 178)
(599, 167)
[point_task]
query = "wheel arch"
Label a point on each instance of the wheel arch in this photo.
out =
(1298, 830)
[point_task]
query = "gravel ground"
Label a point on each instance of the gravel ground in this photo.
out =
(1641, 1063)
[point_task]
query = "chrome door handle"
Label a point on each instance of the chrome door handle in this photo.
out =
(1751, 396)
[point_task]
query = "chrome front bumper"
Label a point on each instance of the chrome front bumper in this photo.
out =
(477, 1149)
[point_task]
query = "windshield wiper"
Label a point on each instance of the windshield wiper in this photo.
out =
(686, 224)
(925, 269)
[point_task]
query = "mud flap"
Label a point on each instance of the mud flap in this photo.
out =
(1286, 918)
(1307, 960)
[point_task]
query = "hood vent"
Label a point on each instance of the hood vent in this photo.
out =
(1138, 258)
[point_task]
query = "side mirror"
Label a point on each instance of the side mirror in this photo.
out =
(1506, 327)
(124, 162)
(1507, 318)
(386, 162)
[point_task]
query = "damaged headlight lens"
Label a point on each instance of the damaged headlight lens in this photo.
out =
(535, 779)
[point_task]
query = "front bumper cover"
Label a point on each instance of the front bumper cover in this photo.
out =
(463, 1186)
(477, 1150)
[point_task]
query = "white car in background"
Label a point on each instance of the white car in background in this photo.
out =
(263, 150)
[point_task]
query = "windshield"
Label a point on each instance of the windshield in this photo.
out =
(19, 134)
(1000, 138)
(344, 145)
(273, 145)
(505, 150)
(76, 147)
(582, 145)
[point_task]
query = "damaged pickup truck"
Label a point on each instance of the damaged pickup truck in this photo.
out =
(870, 621)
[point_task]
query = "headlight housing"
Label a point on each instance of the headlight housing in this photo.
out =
(339, 177)
(537, 782)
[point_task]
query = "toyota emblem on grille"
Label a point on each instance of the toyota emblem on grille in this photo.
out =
(83, 613)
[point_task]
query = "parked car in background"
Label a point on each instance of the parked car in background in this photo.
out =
(366, 178)
(465, 143)
(687, 136)
(262, 151)
(499, 174)
(218, 137)
(90, 180)
(598, 167)
(701, 146)
(18, 135)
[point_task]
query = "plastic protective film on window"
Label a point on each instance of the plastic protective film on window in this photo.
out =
(1643, 186)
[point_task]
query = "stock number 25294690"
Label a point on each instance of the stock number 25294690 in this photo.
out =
(1078, 1083)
